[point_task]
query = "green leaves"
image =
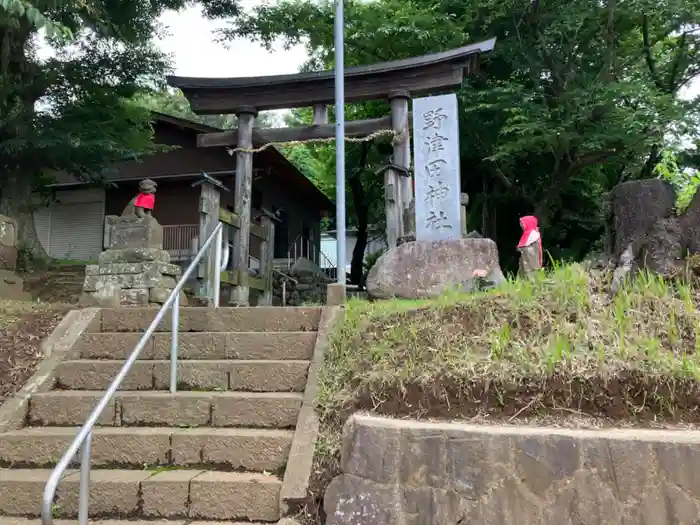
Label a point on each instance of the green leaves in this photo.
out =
(73, 112)
(576, 97)
(14, 9)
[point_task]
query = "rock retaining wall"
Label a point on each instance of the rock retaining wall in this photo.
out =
(310, 286)
(397, 472)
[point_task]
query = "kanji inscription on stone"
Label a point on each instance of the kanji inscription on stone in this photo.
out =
(436, 162)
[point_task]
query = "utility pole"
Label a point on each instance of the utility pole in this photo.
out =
(340, 139)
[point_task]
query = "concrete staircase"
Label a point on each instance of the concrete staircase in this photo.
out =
(215, 450)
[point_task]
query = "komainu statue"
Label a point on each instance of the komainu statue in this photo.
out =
(143, 203)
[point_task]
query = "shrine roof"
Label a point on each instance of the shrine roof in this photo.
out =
(185, 165)
(416, 75)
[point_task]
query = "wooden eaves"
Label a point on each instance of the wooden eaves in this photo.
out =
(416, 75)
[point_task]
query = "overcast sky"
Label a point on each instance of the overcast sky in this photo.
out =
(196, 54)
(191, 44)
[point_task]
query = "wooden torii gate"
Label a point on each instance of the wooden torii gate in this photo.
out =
(395, 81)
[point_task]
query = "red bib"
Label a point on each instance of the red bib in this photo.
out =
(145, 200)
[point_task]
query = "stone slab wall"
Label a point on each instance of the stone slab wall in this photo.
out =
(412, 473)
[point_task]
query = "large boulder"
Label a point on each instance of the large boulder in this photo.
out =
(416, 270)
(690, 223)
(663, 250)
(636, 207)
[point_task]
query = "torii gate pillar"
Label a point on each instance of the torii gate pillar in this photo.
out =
(398, 183)
(240, 294)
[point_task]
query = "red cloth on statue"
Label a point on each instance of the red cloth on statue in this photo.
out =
(531, 233)
(145, 200)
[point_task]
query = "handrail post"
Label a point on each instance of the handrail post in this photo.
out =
(217, 266)
(84, 495)
(173, 344)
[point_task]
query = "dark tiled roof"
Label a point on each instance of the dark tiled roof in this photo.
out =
(169, 165)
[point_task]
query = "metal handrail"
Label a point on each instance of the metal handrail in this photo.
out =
(284, 285)
(84, 437)
(313, 253)
(285, 275)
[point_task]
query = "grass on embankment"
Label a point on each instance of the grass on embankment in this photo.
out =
(555, 346)
(554, 350)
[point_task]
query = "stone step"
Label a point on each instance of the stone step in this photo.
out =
(201, 345)
(142, 494)
(182, 409)
(36, 521)
(194, 319)
(250, 449)
(250, 375)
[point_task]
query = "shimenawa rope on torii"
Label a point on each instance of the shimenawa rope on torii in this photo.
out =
(396, 136)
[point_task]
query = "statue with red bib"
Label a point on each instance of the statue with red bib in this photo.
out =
(143, 204)
(530, 246)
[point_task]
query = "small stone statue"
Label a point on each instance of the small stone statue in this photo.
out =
(463, 201)
(623, 269)
(143, 203)
(530, 246)
(409, 222)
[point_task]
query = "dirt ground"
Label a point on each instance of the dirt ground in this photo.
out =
(23, 327)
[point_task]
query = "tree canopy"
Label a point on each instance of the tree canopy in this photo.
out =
(173, 102)
(577, 96)
(74, 112)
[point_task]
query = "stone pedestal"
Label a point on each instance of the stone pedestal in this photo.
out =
(418, 270)
(133, 232)
(8, 243)
(11, 284)
(135, 270)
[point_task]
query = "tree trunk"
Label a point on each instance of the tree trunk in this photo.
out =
(16, 185)
(647, 171)
(358, 255)
(16, 202)
(359, 199)
(362, 217)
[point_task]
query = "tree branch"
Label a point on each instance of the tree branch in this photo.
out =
(497, 172)
(592, 158)
(672, 77)
(648, 54)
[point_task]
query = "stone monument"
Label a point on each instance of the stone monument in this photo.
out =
(8, 243)
(134, 270)
(437, 253)
(11, 284)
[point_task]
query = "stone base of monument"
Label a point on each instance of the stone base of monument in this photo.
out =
(422, 269)
(11, 284)
(129, 284)
(135, 270)
(130, 231)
